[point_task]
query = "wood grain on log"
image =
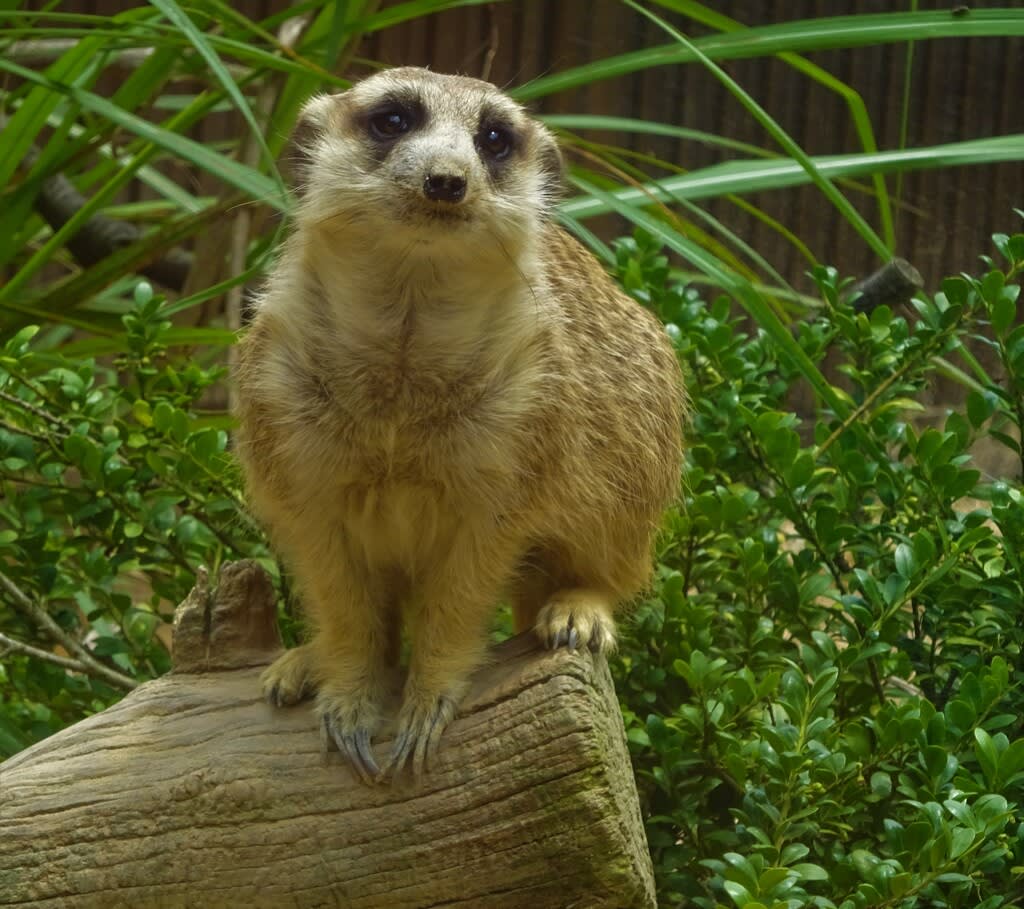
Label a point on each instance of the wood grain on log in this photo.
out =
(192, 792)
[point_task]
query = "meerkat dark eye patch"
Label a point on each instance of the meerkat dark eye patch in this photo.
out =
(390, 120)
(495, 142)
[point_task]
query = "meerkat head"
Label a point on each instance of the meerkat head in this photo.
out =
(417, 157)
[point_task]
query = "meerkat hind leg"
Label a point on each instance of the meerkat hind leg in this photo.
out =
(352, 654)
(289, 679)
(578, 616)
(449, 641)
(350, 715)
(539, 575)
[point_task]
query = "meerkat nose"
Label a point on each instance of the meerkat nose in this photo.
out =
(444, 188)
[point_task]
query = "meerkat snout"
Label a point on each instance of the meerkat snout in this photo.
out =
(444, 188)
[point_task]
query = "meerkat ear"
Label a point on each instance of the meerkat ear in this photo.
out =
(552, 164)
(297, 158)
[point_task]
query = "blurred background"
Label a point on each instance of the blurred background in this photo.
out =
(962, 85)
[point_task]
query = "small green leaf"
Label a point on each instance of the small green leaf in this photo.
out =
(811, 872)
(741, 871)
(772, 877)
(906, 561)
(961, 840)
(881, 784)
(163, 415)
(985, 750)
(740, 895)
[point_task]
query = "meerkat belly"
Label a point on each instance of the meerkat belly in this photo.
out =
(395, 523)
(399, 491)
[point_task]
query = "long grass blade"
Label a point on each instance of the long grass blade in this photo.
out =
(404, 12)
(179, 18)
(740, 289)
(854, 102)
(246, 179)
(78, 289)
(21, 130)
(578, 122)
(797, 37)
(841, 203)
(755, 176)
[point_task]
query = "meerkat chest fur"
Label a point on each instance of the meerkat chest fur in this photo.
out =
(429, 361)
(406, 392)
(421, 339)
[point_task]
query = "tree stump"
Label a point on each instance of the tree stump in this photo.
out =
(193, 792)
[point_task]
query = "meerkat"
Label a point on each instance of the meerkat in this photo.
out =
(444, 400)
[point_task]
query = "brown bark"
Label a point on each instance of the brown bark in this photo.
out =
(192, 792)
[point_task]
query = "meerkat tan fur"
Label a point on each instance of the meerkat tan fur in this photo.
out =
(445, 400)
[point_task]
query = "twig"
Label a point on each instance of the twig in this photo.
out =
(289, 34)
(9, 644)
(58, 201)
(876, 681)
(876, 393)
(894, 681)
(32, 409)
(71, 644)
(17, 430)
(49, 49)
(492, 43)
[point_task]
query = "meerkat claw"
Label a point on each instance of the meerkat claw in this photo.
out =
(355, 745)
(574, 619)
(288, 679)
(419, 734)
(365, 753)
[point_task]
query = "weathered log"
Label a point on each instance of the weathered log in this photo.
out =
(192, 792)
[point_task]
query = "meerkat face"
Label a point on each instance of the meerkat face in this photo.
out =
(413, 156)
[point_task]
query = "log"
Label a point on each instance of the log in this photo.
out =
(193, 792)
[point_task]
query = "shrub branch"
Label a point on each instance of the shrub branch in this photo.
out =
(10, 644)
(71, 644)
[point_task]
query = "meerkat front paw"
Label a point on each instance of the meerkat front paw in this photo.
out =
(289, 679)
(349, 717)
(422, 719)
(576, 617)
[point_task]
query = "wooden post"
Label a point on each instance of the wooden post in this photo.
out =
(894, 283)
(193, 792)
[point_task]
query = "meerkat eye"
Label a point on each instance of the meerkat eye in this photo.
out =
(390, 122)
(495, 141)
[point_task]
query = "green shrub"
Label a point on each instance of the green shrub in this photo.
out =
(823, 699)
(116, 487)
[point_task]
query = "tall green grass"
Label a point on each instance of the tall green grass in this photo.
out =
(57, 120)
